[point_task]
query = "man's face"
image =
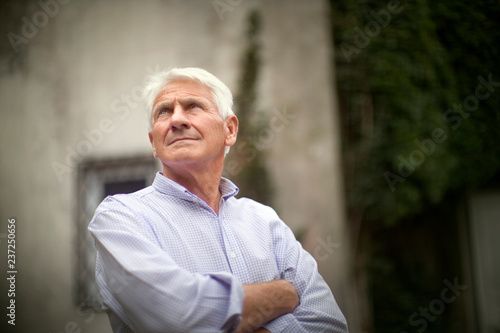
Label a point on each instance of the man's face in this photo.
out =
(187, 127)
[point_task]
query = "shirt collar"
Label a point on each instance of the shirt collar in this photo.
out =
(167, 186)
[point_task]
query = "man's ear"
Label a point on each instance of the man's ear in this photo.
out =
(231, 130)
(152, 143)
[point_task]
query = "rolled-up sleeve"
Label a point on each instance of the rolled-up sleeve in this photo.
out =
(147, 290)
(318, 311)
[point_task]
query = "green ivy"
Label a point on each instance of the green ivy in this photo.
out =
(411, 149)
(399, 75)
(246, 160)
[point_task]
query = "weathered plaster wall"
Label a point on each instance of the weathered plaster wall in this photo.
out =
(81, 72)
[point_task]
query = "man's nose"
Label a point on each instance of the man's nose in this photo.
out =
(179, 118)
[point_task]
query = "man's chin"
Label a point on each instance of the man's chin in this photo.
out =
(181, 156)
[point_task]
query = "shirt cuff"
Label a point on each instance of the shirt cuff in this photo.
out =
(236, 298)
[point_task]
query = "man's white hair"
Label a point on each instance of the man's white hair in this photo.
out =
(222, 96)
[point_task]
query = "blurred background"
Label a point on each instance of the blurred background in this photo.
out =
(372, 127)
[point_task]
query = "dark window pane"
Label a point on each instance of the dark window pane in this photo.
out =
(124, 186)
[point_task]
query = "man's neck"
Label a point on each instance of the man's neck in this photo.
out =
(204, 184)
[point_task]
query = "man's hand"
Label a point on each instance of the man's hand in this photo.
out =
(265, 302)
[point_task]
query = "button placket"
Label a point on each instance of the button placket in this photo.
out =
(234, 256)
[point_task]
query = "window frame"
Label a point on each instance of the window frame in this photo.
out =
(93, 175)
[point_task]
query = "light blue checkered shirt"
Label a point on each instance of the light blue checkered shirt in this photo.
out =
(167, 263)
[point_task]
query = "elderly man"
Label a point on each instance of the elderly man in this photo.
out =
(185, 255)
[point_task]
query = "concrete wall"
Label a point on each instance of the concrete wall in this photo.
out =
(305, 158)
(79, 71)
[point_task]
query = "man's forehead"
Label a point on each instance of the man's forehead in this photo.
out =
(185, 88)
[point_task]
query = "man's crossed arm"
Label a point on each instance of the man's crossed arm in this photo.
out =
(266, 301)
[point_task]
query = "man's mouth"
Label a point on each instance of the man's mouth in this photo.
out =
(180, 139)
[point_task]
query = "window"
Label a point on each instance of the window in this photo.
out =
(96, 180)
(485, 231)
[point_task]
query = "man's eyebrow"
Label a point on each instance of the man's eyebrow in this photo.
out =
(162, 104)
(192, 100)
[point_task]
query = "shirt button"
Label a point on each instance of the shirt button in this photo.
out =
(232, 255)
